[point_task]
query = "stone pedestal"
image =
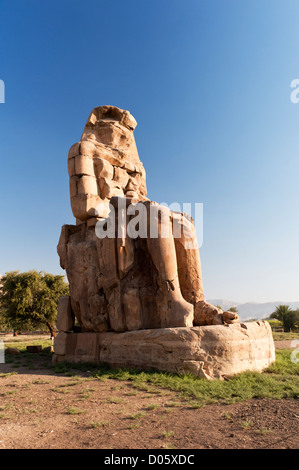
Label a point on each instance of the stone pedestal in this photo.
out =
(213, 352)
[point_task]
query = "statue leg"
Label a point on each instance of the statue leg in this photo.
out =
(174, 310)
(189, 269)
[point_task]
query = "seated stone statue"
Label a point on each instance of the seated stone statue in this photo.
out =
(122, 282)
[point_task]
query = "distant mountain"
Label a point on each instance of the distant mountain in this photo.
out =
(225, 304)
(250, 310)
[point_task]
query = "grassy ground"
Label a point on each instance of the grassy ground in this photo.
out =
(280, 336)
(281, 380)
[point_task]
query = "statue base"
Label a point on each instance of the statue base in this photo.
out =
(213, 352)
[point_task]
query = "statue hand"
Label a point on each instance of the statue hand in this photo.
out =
(230, 317)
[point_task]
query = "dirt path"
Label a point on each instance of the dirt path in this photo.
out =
(43, 410)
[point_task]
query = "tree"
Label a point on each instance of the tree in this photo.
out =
(233, 309)
(286, 315)
(296, 312)
(29, 300)
(3, 323)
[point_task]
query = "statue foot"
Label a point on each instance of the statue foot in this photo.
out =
(177, 313)
(207, 314)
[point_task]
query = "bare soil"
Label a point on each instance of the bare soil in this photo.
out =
(41, 409)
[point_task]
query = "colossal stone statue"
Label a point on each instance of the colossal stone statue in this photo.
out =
(120, 283)
(134, 271)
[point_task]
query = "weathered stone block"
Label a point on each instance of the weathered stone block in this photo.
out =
(60, 344)
(84, 206)
(133, 309)
(212, 352)
(103, 168)
(65, 317)
(87, 185)
(73, 186)
(84, 165)
(74, 150)
(71, 167)
(37, 348)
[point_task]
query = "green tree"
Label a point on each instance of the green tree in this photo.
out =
(286, 315)
(3, 323)
(29, 300)
(296, 318)
(233, 309)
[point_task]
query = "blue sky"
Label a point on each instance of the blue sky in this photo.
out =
(209, 85)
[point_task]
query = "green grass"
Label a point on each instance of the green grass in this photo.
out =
(281, 380)
(195, 405)
(99, 424)
(173, 404)
(264, 430)
(168, 445)
(152, 406)
(280, 336)
(22, 345)
(26, 359)
(134, 426)
(75, 411)
(61, 390)
(7, 374)
(40, 382)
(115, 400)
(166, 434)
(246, 424)
(9, 392)
(138, 415)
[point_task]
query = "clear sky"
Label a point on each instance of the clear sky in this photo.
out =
(208, 82)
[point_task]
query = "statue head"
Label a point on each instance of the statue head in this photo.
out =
(106, 162)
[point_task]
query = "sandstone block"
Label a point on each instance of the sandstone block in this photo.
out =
(212, 352)
(73, 186)
(80, 222)
(12, 351)
(84, 205)
(116, 314)
(121, 176)
(109, 190)
(86, 347)
(111, 113)
(48, 349)
(71, 167)
(133, 310)
(65, 317)
(34, 349)
(74, 150)
(103, 168)
(87, 185)
(84, 165)
(87, 148)
(125, 255)
(60, 342)
(92, 221)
